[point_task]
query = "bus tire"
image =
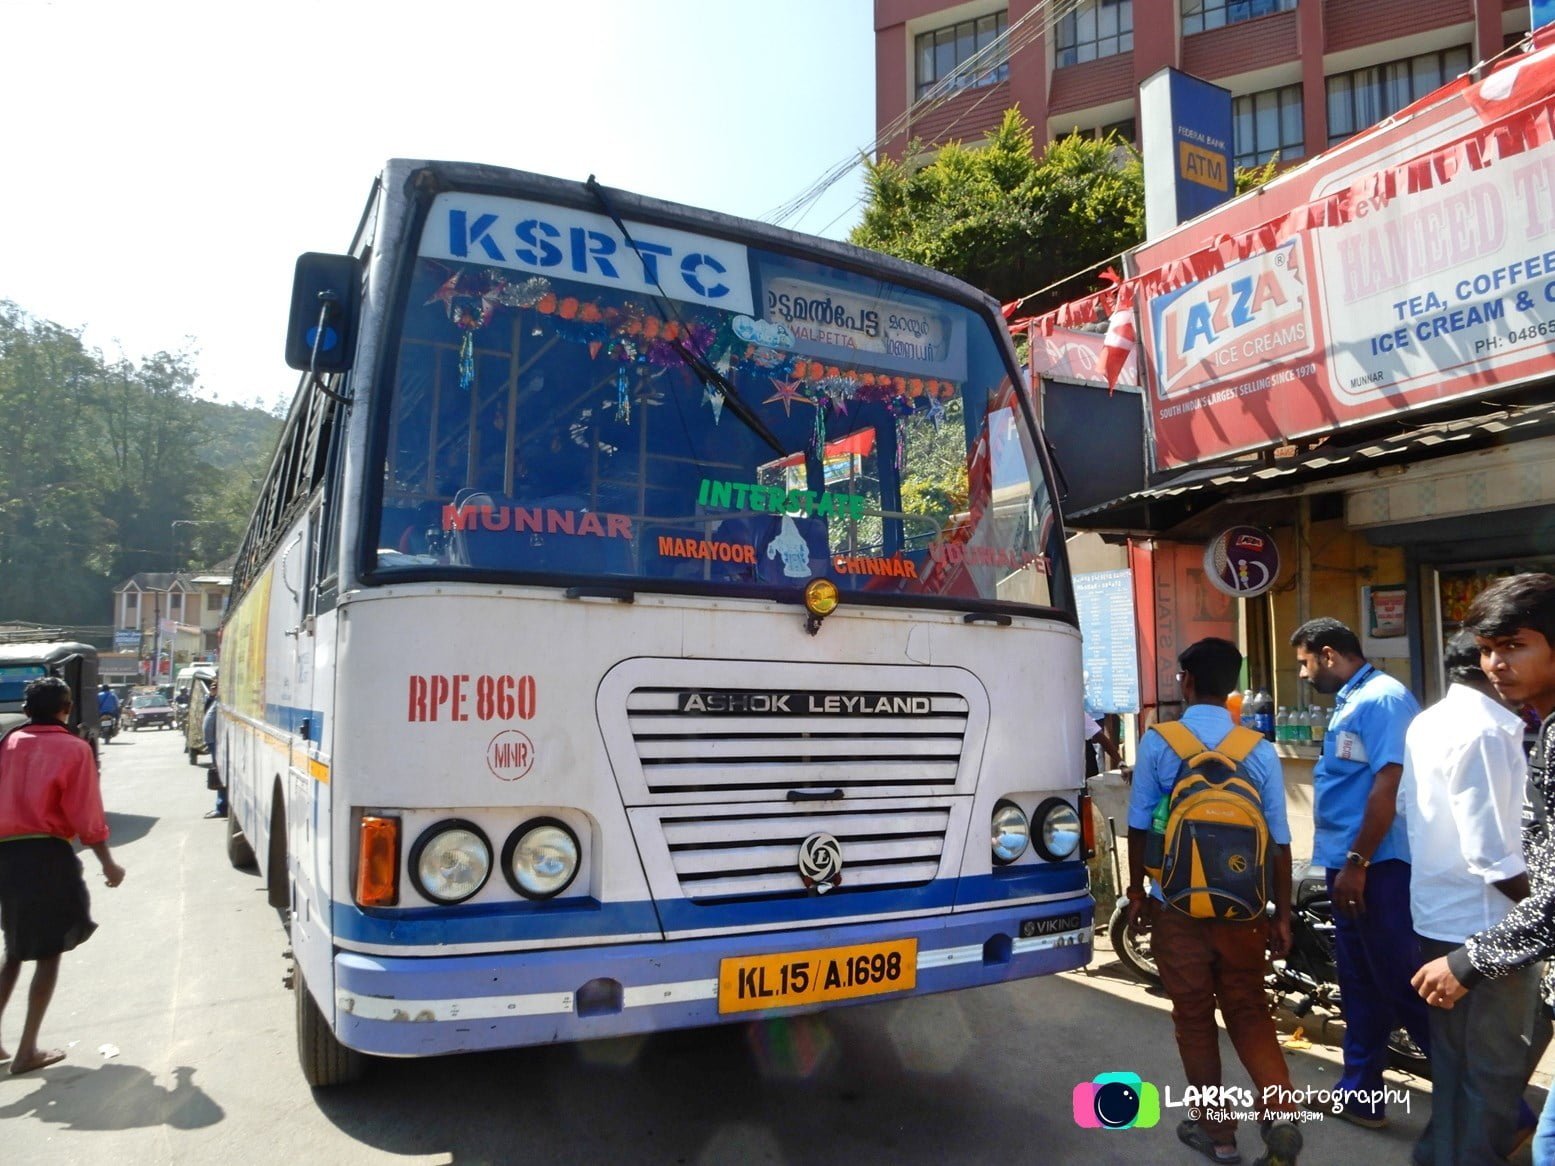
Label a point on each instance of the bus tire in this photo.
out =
(276, 878)
(325, 1061)
(239, 853)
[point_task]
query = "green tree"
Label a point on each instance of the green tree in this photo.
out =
(1005, 219)
(50, 527)
(1011, 221)
(98, 460)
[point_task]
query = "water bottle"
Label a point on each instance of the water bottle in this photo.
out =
(1303, 726)
(1249, 717)
(1155, 841)
(1282, 726)
(1263, 704)
(1319, 724)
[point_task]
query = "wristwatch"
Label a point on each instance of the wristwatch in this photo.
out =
(1356, 858)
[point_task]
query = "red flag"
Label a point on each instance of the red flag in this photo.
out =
(1120, 339)
(1522, 80)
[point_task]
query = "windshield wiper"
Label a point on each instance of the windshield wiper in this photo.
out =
(715, 381)
(710, 377)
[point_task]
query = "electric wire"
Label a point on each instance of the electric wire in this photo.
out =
(1040, 20)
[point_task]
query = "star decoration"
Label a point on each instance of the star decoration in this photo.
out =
(788, 393)
(936, 412)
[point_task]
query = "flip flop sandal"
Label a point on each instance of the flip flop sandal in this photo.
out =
(1192, 1135)
(42, 1060)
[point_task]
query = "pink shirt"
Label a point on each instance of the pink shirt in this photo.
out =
(48, 785)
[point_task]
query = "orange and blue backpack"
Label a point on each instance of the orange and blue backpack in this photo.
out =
(1209, 849)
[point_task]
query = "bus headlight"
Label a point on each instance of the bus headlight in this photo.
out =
(1058, 829)
(540, 859)
(451, 861)
(1010, 833)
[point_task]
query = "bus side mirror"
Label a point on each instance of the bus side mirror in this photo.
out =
(326, 302)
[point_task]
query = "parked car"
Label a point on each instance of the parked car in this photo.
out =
(150, 708)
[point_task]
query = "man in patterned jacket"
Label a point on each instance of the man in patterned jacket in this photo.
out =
(1514, 622)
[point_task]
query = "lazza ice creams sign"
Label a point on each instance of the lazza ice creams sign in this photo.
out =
(1253, 314)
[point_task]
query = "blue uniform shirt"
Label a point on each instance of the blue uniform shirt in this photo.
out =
(1371, 715)
(1157, 767)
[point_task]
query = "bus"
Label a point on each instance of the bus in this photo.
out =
(650, 618)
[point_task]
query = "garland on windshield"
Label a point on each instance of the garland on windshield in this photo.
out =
(637, 338)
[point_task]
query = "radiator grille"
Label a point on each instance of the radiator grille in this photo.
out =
(742, 856)
(692, 753)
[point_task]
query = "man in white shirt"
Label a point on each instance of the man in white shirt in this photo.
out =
(1461, 797)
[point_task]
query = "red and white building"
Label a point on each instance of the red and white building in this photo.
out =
(1304, 74)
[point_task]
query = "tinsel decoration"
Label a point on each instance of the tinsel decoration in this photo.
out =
(467, 360)
(623, 396)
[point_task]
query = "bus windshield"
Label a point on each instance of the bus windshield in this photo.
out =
(686, 411)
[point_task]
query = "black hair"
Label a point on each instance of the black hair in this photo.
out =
(1327, 632)
(45, 698)
(1518, 601)
(1461, 659)
(1214, 664)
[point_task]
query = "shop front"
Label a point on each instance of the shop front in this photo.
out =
(1356, 363)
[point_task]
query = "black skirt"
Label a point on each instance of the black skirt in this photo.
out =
(44, 907)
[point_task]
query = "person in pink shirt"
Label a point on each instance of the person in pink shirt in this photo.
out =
(48, 795)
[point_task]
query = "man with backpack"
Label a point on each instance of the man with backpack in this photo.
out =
(1361, 841)
(1207, 820)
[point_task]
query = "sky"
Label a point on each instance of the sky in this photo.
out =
(164, 163)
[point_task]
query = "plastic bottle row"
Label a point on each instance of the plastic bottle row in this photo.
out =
(1285, 725)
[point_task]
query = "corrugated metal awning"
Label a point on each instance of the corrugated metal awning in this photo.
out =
(1500, 425)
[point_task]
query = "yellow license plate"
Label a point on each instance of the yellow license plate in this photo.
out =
(781, 980)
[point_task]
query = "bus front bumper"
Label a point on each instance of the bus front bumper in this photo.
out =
(395, 1006)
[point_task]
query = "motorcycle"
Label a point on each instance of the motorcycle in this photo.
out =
(107, 727)
(1306, 978)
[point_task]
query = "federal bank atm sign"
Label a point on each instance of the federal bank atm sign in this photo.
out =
(1252, 314)
(563, 243)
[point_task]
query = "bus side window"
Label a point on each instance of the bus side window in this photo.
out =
(324, 558)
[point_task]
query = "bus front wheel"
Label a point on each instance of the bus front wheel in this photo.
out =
(325, 1061)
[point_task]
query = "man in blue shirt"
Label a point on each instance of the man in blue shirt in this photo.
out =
(1362, 843)
(1205, 962)
(107, 704)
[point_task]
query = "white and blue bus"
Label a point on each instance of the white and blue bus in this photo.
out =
(650, 618)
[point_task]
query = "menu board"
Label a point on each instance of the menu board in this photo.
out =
(1110, 654)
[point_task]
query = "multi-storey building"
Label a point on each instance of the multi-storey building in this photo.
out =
(1304, 74)
(188, 606)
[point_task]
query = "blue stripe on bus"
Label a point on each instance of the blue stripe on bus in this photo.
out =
(289, 718)
(589, 918)
(494, 922)
(490, 978)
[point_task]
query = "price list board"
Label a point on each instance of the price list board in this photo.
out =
(1109, 632)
